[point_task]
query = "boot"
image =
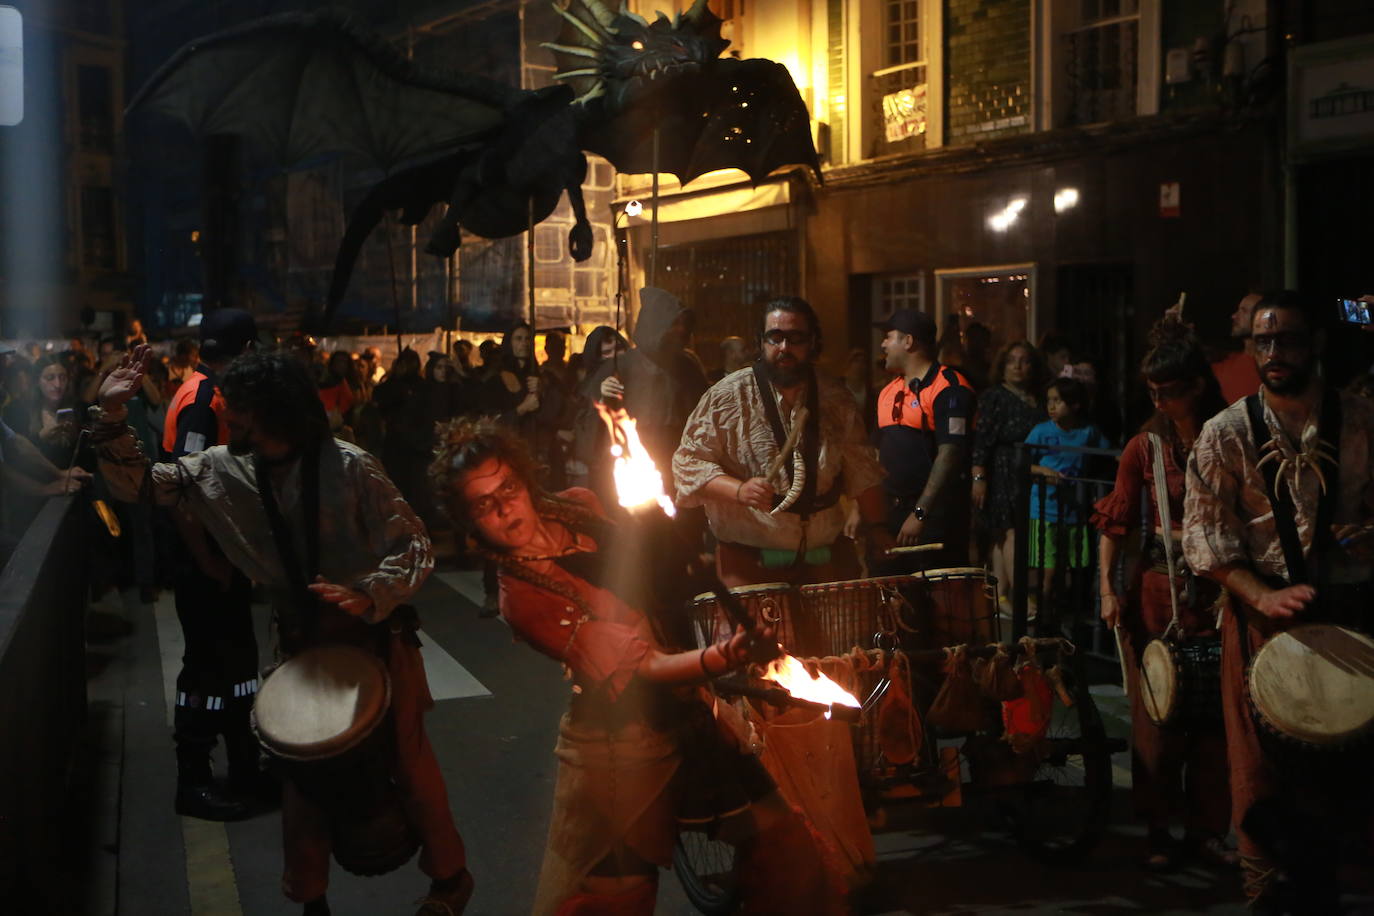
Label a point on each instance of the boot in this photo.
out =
(317, 907)
(208, 803)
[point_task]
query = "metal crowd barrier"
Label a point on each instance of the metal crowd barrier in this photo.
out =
(1074, 612)
(42, 705)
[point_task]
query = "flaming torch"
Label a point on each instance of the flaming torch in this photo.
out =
(639, 485)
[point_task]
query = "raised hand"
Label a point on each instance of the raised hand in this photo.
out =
(125, 380)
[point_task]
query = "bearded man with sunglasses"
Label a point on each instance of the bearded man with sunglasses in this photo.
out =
(1290, 537)
(769, 451)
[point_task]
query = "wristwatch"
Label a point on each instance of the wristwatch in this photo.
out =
(919, 513)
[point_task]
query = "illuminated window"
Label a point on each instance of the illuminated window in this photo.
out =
(903, 37)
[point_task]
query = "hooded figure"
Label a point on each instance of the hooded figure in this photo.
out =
(662, 380)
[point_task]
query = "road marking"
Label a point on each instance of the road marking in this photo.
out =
(209, 870)
(448, 679)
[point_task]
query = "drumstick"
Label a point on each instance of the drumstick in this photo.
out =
(915, 548)
(1121, 657)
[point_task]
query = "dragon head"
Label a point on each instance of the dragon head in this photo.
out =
(619, 57)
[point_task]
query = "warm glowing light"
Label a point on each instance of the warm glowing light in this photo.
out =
(1065, 199)
(637, 45)
(634, 208)
(793, 677)
(1001, 221)
(638, 483)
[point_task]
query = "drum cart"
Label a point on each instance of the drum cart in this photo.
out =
(1055, 801)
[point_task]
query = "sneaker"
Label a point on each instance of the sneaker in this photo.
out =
(448, 897)
(208, 803)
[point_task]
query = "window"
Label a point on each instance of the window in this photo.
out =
(897, 291)
(1103, 60)
(903, 32)
(897, 71)
(95, 100)
(98, 228)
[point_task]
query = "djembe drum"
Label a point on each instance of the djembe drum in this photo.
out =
(954, 606)
(323, 714)
(774, 603)
(1312, 687)
(1180, 682)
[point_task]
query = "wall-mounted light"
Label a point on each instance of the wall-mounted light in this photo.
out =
(1065, 199)
(1002, 220)
(634, 208)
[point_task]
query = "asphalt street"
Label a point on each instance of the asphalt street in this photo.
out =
(494, 742)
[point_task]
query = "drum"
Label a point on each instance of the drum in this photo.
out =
(862, 613)
(1312, 686)
(954, 606)
(323, 715)
(1180, 683)
(773, 602)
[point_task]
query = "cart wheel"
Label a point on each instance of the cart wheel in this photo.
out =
(1059, 815)
(705, 868)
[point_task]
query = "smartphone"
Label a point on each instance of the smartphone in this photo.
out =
(1354, 311)
(66, 415)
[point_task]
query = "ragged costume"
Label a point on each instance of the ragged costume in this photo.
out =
(367, 538)
(1230, 520)
(1176, 771)
(635, 758)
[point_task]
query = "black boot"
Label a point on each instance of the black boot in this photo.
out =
(317, 907)
(208, 803)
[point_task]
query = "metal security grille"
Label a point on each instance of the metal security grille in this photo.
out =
(1093, 305)
(727, 281)
(1100, 61)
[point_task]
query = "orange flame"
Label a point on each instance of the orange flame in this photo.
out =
(637, 480)
(793, 677)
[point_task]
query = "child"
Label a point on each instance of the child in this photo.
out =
(1058, 535)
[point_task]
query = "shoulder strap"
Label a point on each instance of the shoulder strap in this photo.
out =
(1280, 502)
(770, 404)
(297, 574)
(1161, 496)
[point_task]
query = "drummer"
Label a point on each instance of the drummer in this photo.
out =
(366, 552)
(1178, 771)
(1233, 534)
(639, 748)
(777, 517)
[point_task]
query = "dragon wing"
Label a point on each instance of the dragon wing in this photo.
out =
(299, 85)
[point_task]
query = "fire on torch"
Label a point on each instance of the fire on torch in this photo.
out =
(639, 486)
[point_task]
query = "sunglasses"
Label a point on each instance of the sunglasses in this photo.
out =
(504, 495)
(777, 338)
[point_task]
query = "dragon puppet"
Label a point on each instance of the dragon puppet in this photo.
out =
(307, 84)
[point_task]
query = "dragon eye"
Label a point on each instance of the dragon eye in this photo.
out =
(637, 45)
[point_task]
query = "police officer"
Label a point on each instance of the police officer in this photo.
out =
(925, 435)
(219, 676)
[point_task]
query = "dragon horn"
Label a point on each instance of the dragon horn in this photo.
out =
(582, 27)
(572, 74)
(593, 93)
(699, 8)
(1321, 478)
(599, 11)
(570, 49)
(631, 15)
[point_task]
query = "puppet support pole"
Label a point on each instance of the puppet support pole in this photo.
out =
(529, 272)
(653, 225)
(395, 293)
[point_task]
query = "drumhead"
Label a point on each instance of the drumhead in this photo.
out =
(874, 582)
(1158, 681)
(322, 702)
(1315, 683)
(745, 590)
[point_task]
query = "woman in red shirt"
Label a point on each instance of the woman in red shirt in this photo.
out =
(639, 728)
(1178, 770)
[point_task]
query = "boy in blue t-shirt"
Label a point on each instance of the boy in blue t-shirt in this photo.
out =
(1055, 524)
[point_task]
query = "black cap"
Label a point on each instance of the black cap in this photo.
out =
(226, 333)
(910, 321)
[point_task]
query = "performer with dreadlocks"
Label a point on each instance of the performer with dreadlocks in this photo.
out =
(637, 737)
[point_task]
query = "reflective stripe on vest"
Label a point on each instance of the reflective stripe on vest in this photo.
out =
(917, 409)
(184, 397)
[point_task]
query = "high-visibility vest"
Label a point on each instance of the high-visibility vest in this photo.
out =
(916, 410)
(190, 393)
